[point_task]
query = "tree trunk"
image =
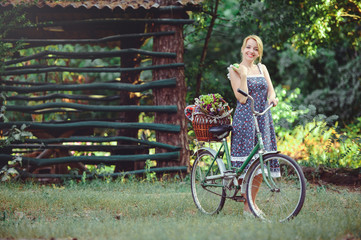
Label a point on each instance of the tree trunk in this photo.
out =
(171, 96)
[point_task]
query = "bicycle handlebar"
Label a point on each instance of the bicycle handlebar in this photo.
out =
(252, 103)
(242, 92)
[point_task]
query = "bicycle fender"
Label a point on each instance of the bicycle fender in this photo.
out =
(246, 177)
(220, 163)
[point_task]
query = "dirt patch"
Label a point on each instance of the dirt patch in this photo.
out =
(337, 176)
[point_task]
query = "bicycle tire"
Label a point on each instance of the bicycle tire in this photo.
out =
(283, 202)
(208, 199)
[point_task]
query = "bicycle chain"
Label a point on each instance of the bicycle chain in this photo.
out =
(220, 194)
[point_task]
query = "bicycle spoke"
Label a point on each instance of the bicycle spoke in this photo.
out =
(208, 195)
(287, 200)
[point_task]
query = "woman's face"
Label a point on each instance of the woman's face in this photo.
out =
(250, 52)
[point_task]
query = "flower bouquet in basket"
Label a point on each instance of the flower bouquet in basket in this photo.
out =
(213, 105)
(210, 110)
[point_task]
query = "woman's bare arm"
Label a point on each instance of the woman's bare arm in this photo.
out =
(238, 78)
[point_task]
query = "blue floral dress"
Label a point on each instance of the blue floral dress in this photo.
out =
(244, 132)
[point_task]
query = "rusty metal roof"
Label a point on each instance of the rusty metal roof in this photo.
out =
(111, 4)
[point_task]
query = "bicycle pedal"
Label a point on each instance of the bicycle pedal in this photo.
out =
(239, 199)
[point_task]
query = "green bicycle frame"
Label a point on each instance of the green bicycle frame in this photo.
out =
(214, 159)
(239, 171)
(259, 148)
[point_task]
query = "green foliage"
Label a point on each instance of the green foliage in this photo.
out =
(149, 176)
(331, 87)
(286, 115)
(8, 172)
(15, 134)
(343, 97)
(310, 25)
(317, 143)
(353, 130)
(312, 138)
(325, 23)
(10, 19)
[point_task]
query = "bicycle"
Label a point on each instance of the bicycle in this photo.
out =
(213, 181)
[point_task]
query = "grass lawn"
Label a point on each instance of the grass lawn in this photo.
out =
(162, 210)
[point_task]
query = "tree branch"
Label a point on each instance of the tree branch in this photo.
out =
(205, 48)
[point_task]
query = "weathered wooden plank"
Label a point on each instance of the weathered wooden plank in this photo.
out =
(169, 156)
(88, 41)
(62, 96)
(68, 107)
(93, 124)
(28, 83)
(89, 148)
(168, 21)
(90, 55)
(102, 139)
(117, 174)
(157, 170)
(47, 69)
(93, 86)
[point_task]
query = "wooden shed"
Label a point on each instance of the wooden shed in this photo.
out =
(125, 67)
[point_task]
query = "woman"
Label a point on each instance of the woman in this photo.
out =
(255, 80)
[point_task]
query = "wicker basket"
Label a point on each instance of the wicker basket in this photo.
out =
(201, 124)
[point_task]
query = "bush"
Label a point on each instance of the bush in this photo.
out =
(314, 139)
(286, 114)
(317, 143)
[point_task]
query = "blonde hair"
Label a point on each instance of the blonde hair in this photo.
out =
(259, 44)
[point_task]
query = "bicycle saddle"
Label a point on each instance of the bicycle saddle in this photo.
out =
(220, 131)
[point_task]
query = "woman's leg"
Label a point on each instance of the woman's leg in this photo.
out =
(255, 188)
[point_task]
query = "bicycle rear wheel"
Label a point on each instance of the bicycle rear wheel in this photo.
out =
(286, 197)
(208, 195)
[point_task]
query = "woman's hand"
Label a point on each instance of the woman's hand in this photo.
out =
(240, 69)
(273, 100)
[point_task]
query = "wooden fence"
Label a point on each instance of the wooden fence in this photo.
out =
(32, 94)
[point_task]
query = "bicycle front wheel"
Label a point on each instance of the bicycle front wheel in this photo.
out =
(208, 194)
(284, 198)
